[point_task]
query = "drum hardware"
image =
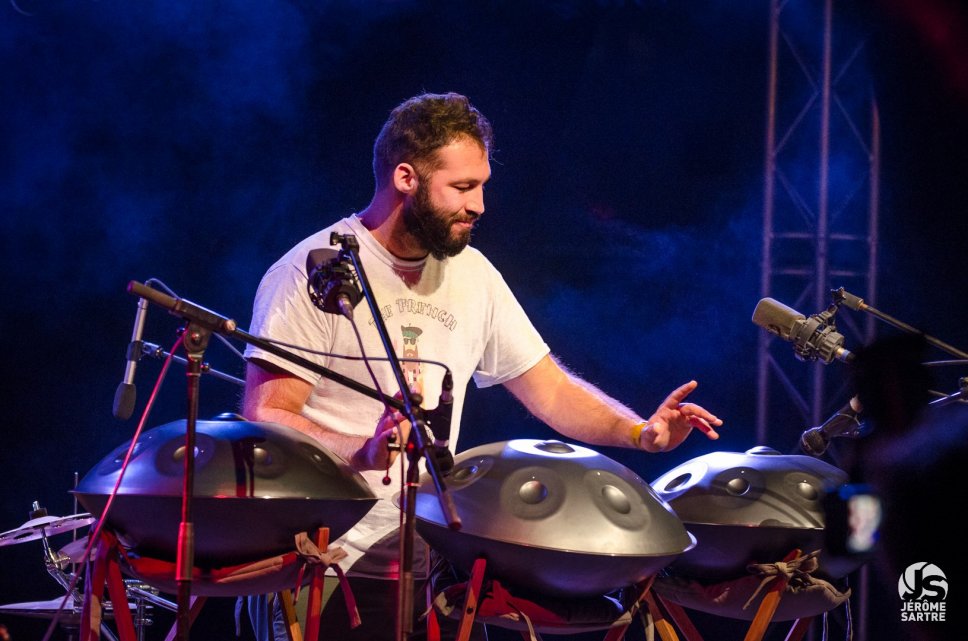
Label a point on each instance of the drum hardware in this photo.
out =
(41, 526)
(145, 598)
(68, 610)
(148, 594)
(74, 551)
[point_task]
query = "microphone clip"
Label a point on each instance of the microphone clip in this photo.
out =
(817, 337)
(332, 285)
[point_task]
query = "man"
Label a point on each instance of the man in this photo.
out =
(441, 299)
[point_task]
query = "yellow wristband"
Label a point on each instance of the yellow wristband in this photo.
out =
(635, 433)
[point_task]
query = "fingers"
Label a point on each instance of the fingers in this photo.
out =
(704, 427)
(678, 418)
(691, 410)
(679, 394)
(701, 419)
(394, 429)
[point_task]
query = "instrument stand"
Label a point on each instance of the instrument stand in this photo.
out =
(615, 629)
(665, 613)
(106, 569)
(314, 606)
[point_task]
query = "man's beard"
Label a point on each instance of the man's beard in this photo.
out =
(432, 227)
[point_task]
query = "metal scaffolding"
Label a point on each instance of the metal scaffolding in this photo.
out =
(819, 229)
(819, 221)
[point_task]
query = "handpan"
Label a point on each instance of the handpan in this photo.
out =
(257, 485)
(751, 507)
(554, 517)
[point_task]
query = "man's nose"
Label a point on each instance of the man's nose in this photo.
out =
(475, 204)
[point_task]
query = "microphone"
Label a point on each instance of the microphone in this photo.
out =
(332, 286)
(126, 394)
(812, 337)
(439, 421)
(844, 424)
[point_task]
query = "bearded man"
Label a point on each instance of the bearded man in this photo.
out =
(431, 161)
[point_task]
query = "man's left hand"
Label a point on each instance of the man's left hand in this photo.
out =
(673, 421)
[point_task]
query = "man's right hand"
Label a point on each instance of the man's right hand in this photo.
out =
(381, 450)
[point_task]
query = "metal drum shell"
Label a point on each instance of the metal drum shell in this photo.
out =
(751, 507)
(256, 485)
(554, 517)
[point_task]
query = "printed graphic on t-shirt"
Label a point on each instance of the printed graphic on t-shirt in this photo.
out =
(412, 372)
(412, 306)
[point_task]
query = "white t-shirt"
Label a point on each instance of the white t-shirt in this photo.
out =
(458, 311)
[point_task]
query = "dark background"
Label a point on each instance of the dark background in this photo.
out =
(196, 142)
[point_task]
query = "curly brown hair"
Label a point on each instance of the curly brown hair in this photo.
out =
(420, 126)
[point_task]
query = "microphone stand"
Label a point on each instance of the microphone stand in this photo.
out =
(857, 304)
(201, 324)
(841, 296)
(196, 338)
(158, 352)
(418, 445)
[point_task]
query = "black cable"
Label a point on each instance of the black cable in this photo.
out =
(351, 358)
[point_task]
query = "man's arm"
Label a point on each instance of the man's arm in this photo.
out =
(274, 395)
(579, 410)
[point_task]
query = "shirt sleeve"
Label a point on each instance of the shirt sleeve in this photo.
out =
(513, 345)
(284, 312)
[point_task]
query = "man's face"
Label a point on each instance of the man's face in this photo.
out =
(448, 200)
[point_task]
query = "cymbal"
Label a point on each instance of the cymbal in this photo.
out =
(45, 526)
(45, 610)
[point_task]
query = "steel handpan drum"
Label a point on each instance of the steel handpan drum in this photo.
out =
(751, 507)
(554, 517)
(256, 486)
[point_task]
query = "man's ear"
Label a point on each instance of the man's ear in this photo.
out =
(405, 178)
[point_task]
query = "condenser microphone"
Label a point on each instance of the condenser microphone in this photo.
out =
(812, 337)
(127, 394)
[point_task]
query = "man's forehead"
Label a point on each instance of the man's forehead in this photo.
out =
(464, 155)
